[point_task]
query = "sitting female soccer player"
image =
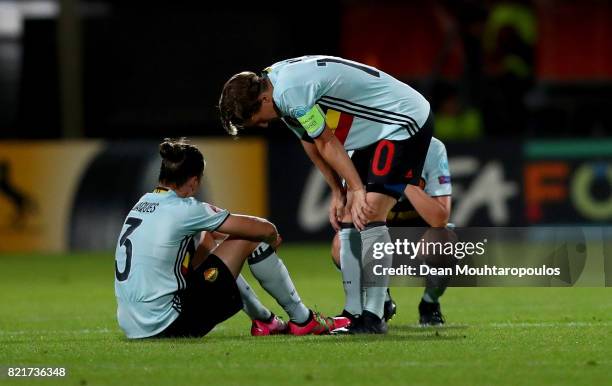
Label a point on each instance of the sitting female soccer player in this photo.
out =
(154, 296)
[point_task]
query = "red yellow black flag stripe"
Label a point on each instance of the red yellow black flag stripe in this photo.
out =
(340, 123)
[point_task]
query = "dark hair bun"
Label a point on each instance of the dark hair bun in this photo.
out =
(180, 161)
(171, 150)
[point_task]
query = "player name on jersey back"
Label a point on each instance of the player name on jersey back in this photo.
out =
(146, 207)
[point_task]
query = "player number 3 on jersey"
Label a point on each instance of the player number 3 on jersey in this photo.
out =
(132, 223)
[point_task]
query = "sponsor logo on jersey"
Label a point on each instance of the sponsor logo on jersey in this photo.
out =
(444, 179)
(211, 274)
(298, 112)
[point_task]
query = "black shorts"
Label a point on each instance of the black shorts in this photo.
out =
(211, 297)
(388, 166)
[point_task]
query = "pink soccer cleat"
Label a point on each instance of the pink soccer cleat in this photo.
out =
(340, 322)
(273, 326)
(319, 325)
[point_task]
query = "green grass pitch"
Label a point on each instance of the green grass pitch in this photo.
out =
(59, 310)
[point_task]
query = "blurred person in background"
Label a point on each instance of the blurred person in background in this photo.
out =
(509, 40)
(455, 120)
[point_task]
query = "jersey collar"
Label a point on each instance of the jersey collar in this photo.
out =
(161, 189)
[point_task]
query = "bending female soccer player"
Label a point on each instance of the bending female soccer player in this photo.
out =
(336, 105)
(156, 299)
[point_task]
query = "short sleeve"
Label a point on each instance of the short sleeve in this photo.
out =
(202, 216)
(300, 104)
(436, 172)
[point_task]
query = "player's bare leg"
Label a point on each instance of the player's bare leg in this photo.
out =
(234, 253)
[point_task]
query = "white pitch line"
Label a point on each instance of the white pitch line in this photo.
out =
(551, 324)
(221, 327)
(50, 332)
(71, 332)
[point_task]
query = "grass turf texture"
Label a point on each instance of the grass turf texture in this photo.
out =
(59, 310)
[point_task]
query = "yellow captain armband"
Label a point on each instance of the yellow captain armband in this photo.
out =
(313, 120)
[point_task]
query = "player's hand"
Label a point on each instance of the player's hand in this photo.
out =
(360, 209)
(336, 209)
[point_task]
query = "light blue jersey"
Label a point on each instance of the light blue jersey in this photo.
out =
(436, 173)
(149, 255)
(360, 103)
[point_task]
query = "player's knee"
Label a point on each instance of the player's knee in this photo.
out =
(380, 215)
(381, 205)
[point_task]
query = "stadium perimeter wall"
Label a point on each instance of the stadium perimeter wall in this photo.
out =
(74, 195)
(59, 196)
